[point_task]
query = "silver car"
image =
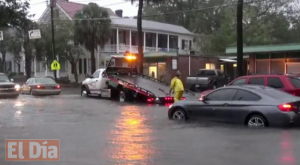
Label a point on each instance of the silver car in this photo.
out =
(8, 89)
(41, 86)
(254, 106)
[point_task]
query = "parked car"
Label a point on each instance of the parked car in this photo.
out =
(8, 89)
(207, 79)
(252, 105)
(41, 86)
(286, 83)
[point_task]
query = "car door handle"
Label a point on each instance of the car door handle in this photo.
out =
(226, 104)
(96, 80)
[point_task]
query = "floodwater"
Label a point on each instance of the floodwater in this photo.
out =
(94, 131)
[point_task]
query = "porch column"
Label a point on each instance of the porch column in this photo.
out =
(130, 40)
(168, 42)
(144, 41)
(157, 42)
(117, 40)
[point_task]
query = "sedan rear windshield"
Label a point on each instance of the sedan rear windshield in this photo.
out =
(45, 81)
(295, 82)
(204, 73)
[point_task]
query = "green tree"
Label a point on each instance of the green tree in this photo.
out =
(92, 29)
(12, 12)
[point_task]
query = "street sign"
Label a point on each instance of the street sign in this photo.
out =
(34, 34)
(55, 65)
(1, 36)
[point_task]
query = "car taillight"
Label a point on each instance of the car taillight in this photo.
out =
(287, 107)
(168, 98)
(150, 100)
(182, 98)
(40, 87)
(57, 86)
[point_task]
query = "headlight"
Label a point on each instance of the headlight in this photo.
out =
(17, 87)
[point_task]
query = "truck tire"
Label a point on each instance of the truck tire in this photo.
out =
(193, 88)
(84, 92)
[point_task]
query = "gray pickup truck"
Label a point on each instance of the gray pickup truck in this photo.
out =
(207, 79)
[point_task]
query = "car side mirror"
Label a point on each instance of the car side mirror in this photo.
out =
(12, 80)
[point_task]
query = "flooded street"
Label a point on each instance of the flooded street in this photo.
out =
(94, 131)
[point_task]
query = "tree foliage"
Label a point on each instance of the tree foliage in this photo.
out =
(91, 32)
(264, 22)
(12, 12)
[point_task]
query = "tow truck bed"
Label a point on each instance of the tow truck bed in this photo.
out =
(157, 88)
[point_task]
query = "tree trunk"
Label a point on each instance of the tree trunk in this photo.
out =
(101, 60)
(93, 60)
(140, 36)
(3, 60)
(239, 20)
(73, 65)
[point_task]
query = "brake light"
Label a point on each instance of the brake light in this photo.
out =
(57, 86)
(287, 107)
(40, 87)
(150, 100)
(182, 98)
(168, 98)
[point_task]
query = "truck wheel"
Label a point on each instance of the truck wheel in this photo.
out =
(122, 97)
(84, 92)
(193, 88)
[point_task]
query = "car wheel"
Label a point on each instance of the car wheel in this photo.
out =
(122, 97)
(84, 92)
(256, 121)
(179, 115)
(193, 88)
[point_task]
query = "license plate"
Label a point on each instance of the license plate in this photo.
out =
(48, 87)
(197, 86)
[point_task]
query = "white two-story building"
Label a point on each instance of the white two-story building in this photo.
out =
(160, 40)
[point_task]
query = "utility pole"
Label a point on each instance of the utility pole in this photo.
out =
(239, 20)
(53, 4)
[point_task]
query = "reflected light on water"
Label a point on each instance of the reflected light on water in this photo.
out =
(18, 104)
(131, 138)
(287, 153)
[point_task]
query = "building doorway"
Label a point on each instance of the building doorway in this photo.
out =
(153, 71)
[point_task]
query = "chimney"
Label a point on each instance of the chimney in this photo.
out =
(119, 13)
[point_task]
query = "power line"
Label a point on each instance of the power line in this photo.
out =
(176, 12)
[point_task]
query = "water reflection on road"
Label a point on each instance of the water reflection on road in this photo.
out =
(131, 138)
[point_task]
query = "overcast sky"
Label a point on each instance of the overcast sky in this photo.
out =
(37, 7)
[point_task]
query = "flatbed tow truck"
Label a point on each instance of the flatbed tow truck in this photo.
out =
(125, 84)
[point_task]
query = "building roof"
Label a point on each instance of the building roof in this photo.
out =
(266, 48)
(70, 8)
(150, 25)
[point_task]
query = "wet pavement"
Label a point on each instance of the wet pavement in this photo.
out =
(96, 132)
